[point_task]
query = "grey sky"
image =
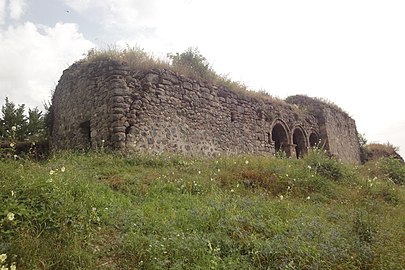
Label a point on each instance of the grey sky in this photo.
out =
(350, 51)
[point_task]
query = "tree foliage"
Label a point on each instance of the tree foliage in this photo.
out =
(16, 125)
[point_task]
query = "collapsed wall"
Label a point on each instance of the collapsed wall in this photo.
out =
(109, 104)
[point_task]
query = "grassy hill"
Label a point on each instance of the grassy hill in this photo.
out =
(107, 211)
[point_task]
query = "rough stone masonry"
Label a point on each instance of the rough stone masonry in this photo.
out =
(108, 104)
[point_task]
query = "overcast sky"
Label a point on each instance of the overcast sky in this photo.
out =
(351, 52)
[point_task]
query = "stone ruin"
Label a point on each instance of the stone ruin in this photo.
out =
(108, 104)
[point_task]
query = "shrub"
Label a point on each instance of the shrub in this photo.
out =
(326, 167)
(393, 168)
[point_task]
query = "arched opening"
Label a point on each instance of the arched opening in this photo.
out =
(299, 142)
(280, 138)
(313, 140)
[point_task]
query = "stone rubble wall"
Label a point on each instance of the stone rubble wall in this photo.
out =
(108, 104)
(342, 136)
(337, 130)
(166, 112)
(82, 106)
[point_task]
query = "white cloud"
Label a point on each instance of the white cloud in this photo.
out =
(12, 9)
(113, 14)
(33, 58)
(2, 11)
(16, 8)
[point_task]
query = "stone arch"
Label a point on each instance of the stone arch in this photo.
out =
(313, 139)
(299, 139)
(280, 136)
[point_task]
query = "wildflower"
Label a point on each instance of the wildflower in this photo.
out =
(232, 190)
(10, 216)
(3, 258)
(199, 172)
(308, 198)
(13, 266)
(93, 209)
(309, 167)
(246, 162)
(281, 197)
(51, 172)
(103, 141)
(12, 145)
(286, 174)
(219, 170)
(12, 193)
(13, 128)
(62, 169)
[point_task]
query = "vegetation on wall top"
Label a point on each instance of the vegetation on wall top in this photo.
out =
(190, 63)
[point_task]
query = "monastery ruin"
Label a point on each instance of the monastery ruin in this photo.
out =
(109, 104)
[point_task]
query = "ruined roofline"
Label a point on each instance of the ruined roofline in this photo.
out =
(314, 103)
(159, 68)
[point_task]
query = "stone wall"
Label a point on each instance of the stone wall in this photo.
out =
(337, 130)
(108, 104)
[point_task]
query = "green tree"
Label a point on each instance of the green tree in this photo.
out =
(13, 121)
(36, 124)
(363, 147)
(192, 61)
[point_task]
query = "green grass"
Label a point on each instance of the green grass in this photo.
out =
(107, 211)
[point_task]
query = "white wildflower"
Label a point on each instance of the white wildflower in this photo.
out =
(10, 216)
(281, 197)
(12, 145)
(308, 198)
(13, 128)
(3, 258)
(62, 169)
(246, 162)
(51, 172)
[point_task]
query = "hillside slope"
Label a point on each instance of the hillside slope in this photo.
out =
(104, 211)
